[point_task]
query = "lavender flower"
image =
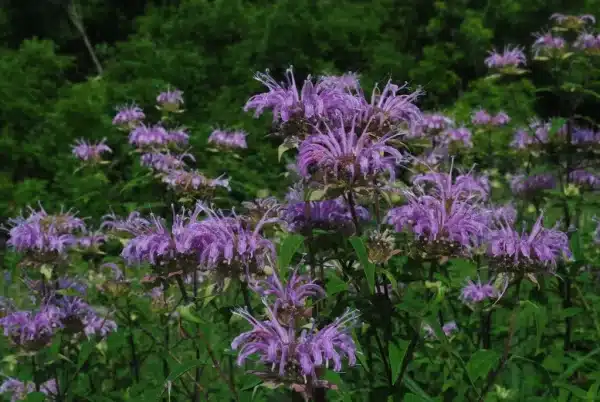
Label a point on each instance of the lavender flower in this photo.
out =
(96, 326)
(435, 122)
(295, 356)
(388, 108)
(476, 292)
(128, 116)
(541, 248)
(509, 60)
(165, 162)
(32, 331)
(341, 155)
(147, 136)
(228, 140)
(481, 118)
(327, 215)
(43, 233)
(574, 22)
(185, 181)
(447, 218)
(529, 185)
(500, 119)
(91, 240)
(449, 328)
(588, 42)
(547, 45)
(18, 389)
(6, 306)
(90, 152)
(293, 296)
(170, 100)
(585, 179)
(503, 214)
(461, 134)
(347, 81)
(314, 102)
(585, 137)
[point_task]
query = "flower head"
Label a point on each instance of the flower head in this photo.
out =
(588, 43)
(585, 179)
(530, 185)
(90, 152)
(327, 215)
(526, 252)
(481, 117)
(165, 162)
(500, 119)
(170, 100)
(128, 116)
(30, 330)
(476, 292)
(228, 140)
(152, 136)
(509, 60)
(186, 181)
(461, 135)
(574, 22)
(547, 45)
(340, 154)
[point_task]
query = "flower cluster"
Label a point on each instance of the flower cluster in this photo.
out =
(228, 140)
(482, 118)
(327, 215)
(128, 117)
(525, 186)
(508, 61)
(90, 152)
(291, 352)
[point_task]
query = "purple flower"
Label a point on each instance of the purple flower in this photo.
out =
(547, 45)
(293, 295)
(347, 81)
(461, 134)
(388, 108)
(96, 326)
(164, 161)
(481, 118)
(476, 292)
(30, 330)
(510, 58)
(572, 21)
(540, 248)
(585, 137)
(170, 100)
(226, 244)
(328, 214)
(449, 214)
(44, 233)
(228, 140)
(503, 214)
(585, 179)
(18, 389)
(90, 152)
(6, 306)
(192, 180)
(500, 119)
(587, 42)
(314, 102)
(91, 240)
(341, 155)
(435, 122)
(128, 116)
(279, 345)
(528, 185)
(146, 136)
(449, 328)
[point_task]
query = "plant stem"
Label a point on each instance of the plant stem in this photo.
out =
(352, 205)
(197, 370)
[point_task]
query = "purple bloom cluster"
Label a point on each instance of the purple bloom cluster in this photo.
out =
(165, 162)
(482, 118)
(192, 180)
(444, 212)
(434, 122)
(292, 350)
(448, 328)
(511, 57)
(90, 152)
(527, 185)
(588, 42)
(30, 330)
(461, 134)
(476, 292)
(147, 136)
(585, 179)
(340, 154)
(170, 100)
(228, 140)
(327, 215)
(585, 137)
(19, 389)
(128, 116)
(541, 248)
(43, 233)
(547, 44)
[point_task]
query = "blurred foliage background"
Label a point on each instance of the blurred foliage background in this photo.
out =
(66, 64)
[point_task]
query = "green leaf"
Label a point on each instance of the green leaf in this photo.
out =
(481, 363)
(36, 397)
(336, 285)
(414, 387)
(363, 257)
(179, 371)
(186, 313)
(86, 349)
(396, 354)
(555, 126)
(283, 148)
(576, 365)
(288, 248)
